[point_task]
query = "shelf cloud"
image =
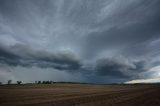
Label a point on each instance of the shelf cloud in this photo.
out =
(100, 41)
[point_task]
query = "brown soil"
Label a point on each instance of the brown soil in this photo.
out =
(79, 95)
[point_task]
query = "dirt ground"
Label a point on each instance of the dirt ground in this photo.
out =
(79, 95)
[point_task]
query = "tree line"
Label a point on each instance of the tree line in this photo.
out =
(36, 82)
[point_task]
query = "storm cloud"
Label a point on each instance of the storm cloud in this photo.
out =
(24, 56)
(99, 41)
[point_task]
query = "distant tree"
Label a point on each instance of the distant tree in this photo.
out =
(0, 83)
(19, 82)
(36, 82)
(43, 82)
(47, 82)
(9, 82)
(39, 82)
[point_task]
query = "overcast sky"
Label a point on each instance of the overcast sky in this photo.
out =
(102, 41)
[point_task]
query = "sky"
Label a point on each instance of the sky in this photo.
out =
(93, 41)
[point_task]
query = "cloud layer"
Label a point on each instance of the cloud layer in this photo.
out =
(99, 41)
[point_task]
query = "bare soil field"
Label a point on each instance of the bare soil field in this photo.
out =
(79, 95)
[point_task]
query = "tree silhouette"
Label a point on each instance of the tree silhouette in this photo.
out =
(44, 82)
(19, 82)
(9, 82)
(39, 82)
(47, 82)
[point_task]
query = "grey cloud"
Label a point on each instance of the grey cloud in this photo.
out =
(134, 26)
(26, 56)
(120, 67)
(82, 36)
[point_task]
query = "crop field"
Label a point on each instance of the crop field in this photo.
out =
(79, 95)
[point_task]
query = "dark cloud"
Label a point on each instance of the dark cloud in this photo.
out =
(7, 57)
(138, 23)
(26, 56)
(119, 67)
(104, 39)
(107, 67)
(6, 54)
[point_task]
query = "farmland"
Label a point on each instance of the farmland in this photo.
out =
(79, 95)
